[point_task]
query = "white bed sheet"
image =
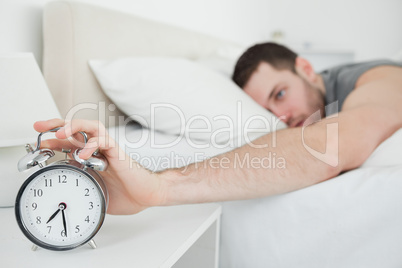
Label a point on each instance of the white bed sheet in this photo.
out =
(353, 220)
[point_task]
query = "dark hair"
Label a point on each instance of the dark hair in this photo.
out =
(278, 56)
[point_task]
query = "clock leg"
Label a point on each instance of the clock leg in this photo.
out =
(92, 244)
(34, 247)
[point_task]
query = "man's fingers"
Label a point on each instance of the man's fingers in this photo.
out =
(92, 128)
(42, 126)
(86, 152)
(90, 148)
(68, 136)
(103, 143)
(70, 129)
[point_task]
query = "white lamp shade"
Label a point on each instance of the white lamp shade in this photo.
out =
(24, 99)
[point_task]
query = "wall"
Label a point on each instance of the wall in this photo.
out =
(371, 29)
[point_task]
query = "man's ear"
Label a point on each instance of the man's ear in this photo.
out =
(305, 69)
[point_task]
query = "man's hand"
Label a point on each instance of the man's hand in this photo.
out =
(131, 187)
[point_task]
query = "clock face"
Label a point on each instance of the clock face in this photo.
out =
(60, 207)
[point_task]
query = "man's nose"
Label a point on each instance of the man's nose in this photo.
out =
(284, 116)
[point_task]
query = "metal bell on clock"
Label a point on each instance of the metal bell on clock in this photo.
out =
(96, 161)
(34, 158)
(37, 157)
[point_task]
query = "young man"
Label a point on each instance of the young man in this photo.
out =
(369, 114)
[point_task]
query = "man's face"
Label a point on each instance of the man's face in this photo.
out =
(289, 96)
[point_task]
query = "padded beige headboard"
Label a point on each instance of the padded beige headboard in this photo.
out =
(76, 32)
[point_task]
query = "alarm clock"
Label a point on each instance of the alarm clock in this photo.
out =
(61, 206)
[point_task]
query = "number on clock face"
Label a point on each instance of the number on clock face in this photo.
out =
(61, 207)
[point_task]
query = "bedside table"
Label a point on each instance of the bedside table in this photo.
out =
(177, 236)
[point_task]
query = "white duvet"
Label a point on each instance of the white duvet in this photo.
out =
(353, 220)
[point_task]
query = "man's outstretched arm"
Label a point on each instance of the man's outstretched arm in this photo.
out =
(360, 131)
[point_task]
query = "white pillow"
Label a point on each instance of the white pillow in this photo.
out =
(218, 64)
(388, 153)
(182, 97)
(223, 60)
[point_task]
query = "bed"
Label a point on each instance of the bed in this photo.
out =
(353, 220)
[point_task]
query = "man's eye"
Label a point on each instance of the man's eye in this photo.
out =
(280, 94)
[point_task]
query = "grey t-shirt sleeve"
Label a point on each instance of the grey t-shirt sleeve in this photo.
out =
(339, 81)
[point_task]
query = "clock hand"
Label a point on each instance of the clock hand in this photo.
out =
(64, 221)
(54, 215)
